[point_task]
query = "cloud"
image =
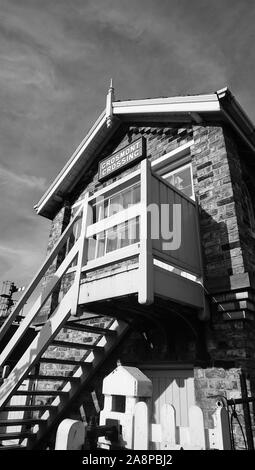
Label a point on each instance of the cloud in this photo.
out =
(19, 265)
(56, 59)
(18, 261)
(26, 181)
(7, 251)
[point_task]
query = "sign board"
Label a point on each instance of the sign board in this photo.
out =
(123, 158)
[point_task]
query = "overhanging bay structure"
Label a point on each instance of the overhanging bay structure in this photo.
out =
(150, 261)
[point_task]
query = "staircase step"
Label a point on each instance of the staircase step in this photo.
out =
(55, 378)
(27, 407)
(40, 392)
(90, 329)
(70, 362)
(15, 435)
(20, 422)
(71, 345)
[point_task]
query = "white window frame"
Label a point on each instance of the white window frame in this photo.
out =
(180, 168)
(114, 194)
(105, 239)
(172, 157)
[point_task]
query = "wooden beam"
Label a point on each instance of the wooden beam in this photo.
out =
(146, 291)
(82, 248)
(177, 288)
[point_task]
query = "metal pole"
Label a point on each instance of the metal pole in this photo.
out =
(246, 409)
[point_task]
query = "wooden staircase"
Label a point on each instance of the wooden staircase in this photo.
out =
(36, 421)
(34, 430)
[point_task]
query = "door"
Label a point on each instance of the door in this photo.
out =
(172, 386)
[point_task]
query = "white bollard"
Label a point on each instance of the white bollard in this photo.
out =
(70, 435)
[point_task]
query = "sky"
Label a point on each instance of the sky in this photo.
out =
(56, 61)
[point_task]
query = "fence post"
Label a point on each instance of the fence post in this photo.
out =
(196, 427)
(168, 427)
(141, 426)
(222, 440)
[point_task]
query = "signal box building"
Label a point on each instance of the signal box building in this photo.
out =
(150, 262)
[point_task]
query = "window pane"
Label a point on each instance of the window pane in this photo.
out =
(116, 204)
(127, 198)
(182, 180)
(188, 191)
(100, 244)
(92, 248)
(111, 240)
(123, 235)
(98, 211)
(136, 194)
(133, 230)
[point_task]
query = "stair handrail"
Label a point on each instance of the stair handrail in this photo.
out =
(37, 278)
(40, 301)
(36, 348)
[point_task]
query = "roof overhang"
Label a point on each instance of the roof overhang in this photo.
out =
(219, 107)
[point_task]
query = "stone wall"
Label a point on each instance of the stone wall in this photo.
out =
(218, 216)
(213, 384)
(227, 244)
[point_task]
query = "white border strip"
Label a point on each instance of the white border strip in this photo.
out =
(165, 159)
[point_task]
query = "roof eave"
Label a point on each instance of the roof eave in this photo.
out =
(54, 196)
(236, 117)
(193, 109)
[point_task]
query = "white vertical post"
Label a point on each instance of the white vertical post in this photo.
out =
(34, 283)
(196, 428)
(221, 433)
(141, 426)
(146, 288)
(82, 248)
(168, 427)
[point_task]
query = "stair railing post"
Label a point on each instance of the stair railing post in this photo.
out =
(146, 290)
(31, 315)
(83, 241)
(37, 278)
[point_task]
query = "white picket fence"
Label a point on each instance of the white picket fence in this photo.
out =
(168, 436)
(71, 434)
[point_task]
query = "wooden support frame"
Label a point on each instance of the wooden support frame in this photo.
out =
(81, 249)
(146, 289)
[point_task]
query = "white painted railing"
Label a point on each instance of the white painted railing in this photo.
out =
(56, 278)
